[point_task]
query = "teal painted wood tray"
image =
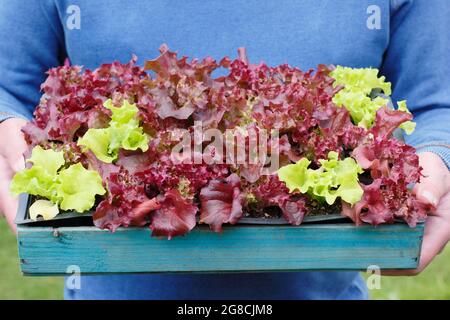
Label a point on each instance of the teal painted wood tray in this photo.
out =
(240, 248)
(47, 250)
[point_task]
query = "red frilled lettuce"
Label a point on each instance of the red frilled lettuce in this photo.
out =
(271, 192)
(393, 167)
(221, 202)
(172, 93)
(175, 216)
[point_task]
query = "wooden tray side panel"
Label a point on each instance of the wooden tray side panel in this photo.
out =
(45, 250)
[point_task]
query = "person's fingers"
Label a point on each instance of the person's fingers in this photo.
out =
(433, 243)
(435, 181)
(14, 144)
(436, 236)
(12, 147)
(8, 203)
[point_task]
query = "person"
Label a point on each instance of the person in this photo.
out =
(408, 40)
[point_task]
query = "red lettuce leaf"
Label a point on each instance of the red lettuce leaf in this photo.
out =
(273, 192)
(175, 216)
(388, 120)
(371, 209)
(384, 201)
(221, 202)
(125, 194)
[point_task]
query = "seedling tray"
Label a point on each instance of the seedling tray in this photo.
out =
(321, 243)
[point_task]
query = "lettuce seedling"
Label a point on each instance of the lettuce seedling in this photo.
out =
(72, 187)
(123, 132)
(335, 178)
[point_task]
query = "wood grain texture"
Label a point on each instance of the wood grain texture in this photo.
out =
(45, 250)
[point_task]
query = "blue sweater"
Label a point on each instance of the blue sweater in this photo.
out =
(409, 40)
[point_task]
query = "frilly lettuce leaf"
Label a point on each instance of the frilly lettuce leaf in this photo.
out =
(335, 178)
(408, 126)
(98, 141)
(358, 84)
(363, 80)
(296, 176)
(73, 188)
(35, 181)
(355, 96)
(123, 132)
(78, 187)
(346, 173)
(41, 178)
(49, 160)
(125, 114)
(128, 138)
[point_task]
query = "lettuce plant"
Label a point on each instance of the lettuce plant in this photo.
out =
(407, 126)
(123, 132)
(72, 187)
(42, 178)
(335, 178)
(356, 95)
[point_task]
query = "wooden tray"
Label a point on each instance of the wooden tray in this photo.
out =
(322, 245)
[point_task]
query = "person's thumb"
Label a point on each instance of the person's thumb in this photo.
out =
(12, 147)
(13, 143)
(435, 181)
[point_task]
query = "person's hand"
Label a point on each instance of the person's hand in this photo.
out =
(12, 147)
(434, 188)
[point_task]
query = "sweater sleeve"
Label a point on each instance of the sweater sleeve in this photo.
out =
(31, 39)
(417, 62)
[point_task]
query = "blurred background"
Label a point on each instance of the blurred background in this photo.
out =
(433, 283)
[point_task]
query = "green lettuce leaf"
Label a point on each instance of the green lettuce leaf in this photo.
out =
(295, 175)
(35, 181)
(346, 174)
(363, 80)
(408, 126)
(358, 84)
(78, 188)
(98, 141)
(49, 160)
(72, 188)
(335, 178)
(41, 178)
(128, 138)
(125, 114)
(123, 132)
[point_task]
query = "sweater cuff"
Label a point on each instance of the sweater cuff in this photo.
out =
(442, 149)
(11, 114)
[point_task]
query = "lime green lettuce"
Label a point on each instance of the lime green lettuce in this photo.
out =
(123, 132)
(73, 188)
(98, 140)
(78, 187)
(335, 178)
(41, 178)
(360, 79)
(49, 160)
(358, 84)
(355, 96)
(408, 126)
